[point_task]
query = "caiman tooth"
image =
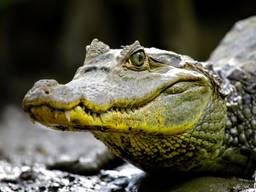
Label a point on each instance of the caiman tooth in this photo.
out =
(94, 115)
(55, 114)
(115, 109)
(122, 110)
(67, 114)
(100, 117)
(112, 110)
(129, 110)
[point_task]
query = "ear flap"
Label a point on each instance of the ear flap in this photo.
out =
(96, 48)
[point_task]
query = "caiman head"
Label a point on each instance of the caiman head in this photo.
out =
(155, 108)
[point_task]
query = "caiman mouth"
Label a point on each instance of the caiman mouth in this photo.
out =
(116, 118)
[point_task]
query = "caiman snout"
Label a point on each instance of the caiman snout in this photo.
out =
(48, 92)
(43, 87)
(40, 91)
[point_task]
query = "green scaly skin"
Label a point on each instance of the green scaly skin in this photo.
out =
(157, 109)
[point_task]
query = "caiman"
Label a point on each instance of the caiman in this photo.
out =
(160, 110)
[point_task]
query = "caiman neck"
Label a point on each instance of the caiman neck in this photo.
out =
(192, 150)
(240, 132)
(241, 124)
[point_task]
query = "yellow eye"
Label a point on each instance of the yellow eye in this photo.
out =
(138, 58)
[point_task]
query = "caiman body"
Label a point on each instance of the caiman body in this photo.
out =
(161, 110)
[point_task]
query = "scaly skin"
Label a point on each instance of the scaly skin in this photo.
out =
(235, 61)
(157, 109)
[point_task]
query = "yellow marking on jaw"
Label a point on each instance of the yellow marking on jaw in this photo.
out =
(114, 121)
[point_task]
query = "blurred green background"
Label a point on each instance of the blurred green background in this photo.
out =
(43, 39)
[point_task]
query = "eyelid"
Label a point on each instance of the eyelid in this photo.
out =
(137, 50)
(128, 50)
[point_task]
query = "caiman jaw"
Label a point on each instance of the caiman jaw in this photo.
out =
(110, 94)
(148, 116)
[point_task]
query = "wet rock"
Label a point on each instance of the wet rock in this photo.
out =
(217, 184)
(37, 178)
(25, 143)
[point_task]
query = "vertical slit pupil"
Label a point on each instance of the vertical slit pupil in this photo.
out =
(138, 58)
(141, 58)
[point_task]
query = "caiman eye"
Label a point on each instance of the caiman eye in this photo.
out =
(138, 58)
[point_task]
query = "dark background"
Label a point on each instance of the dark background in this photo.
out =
(47, 38)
